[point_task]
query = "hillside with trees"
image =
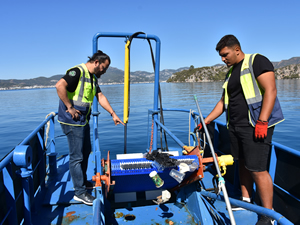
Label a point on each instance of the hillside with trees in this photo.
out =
(285, 69)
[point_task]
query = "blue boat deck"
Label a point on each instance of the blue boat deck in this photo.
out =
(245, 217)
(153, 214)
(58, 206)
(60, 188)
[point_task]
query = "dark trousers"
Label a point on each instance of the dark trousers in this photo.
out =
(79, 141)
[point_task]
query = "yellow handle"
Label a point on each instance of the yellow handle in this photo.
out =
(126, 83)
(225, 160)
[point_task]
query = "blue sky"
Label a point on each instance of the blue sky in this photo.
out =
(45, 38)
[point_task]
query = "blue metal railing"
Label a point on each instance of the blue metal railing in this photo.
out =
(252, 207)
(168, 131)
(19, 168)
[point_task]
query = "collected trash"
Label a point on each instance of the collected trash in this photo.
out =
(162, 158)
(158, 166)
(177, 175)
(193, 166)
(183, 167)
(156, 179)
(164, 197)
(161, 161)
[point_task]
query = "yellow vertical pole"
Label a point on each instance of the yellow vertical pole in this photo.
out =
(126, 83)
(126, 93)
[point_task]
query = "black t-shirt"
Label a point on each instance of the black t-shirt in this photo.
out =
(238, 108)
(72, 78)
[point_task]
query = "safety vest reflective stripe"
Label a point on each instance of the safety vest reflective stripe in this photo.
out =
(249, 71)
(79, 96)
(83, 104)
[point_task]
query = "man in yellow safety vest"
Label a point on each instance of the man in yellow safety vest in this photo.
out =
(76, 91)
(252, 110)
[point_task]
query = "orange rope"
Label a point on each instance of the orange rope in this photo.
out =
(151, 142)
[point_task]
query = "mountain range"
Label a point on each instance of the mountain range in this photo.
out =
(112, 76)
(285, 69)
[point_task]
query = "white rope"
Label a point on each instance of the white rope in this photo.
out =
(204, 137)
(204, 141)
(48, 126)
(220, 186)
(189, 135)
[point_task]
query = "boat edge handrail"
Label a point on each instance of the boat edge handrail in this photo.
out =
(252, 207)
(276, 144)
(4, 161)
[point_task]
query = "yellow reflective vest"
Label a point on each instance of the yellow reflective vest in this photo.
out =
(253, 94)
(81, 99)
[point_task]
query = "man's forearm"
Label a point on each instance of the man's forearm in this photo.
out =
(61, 88)
(105, 103)
(267, 105)
(267, 82)
(216, 112)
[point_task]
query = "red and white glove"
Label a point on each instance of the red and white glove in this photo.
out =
(261, 129)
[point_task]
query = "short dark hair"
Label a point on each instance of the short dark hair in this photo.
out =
(227, 41)
(100, 56)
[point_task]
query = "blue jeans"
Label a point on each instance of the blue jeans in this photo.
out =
(79, 141)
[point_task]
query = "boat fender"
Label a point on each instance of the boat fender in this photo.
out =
(22, 156)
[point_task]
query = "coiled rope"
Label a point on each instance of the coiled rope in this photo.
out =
(48, 127)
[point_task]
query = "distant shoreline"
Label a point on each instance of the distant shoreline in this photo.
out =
(26, 87)
(53, 86)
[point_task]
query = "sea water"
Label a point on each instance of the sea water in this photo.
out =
(23, 110)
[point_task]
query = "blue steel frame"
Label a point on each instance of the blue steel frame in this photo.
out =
(157, 65)
(99, 202)
(21, 156)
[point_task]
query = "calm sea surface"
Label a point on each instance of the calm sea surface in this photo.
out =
(23, 110)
